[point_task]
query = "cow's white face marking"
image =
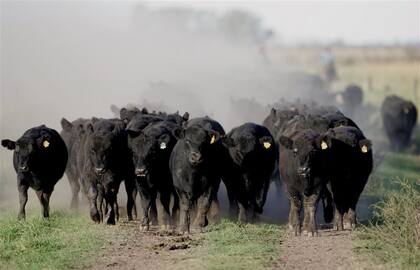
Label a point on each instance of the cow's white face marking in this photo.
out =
(162, 145)
(267, 145)
(46, 144)
(213, 139)
(364, 149)
(324, 145)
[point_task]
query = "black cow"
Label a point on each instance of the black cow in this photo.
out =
(196, 166)
(399, 117)
(253, 153)
(73, 136)
(350, 99)
(39, 158)
(107, 163)
(349, 166)
(151, 148)
(303, 153)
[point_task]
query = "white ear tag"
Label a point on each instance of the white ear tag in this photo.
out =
(46, 144)
(324, 145)
(162, 145)
(364, 149)
(213, 139)
(266, 145)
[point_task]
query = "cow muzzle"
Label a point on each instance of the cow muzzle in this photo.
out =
(99, 170)
(304, 172)
(24, 168)
(141, 172)
(195, 158)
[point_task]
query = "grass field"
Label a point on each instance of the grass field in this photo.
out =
(65, 241)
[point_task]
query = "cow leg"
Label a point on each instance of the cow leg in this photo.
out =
(147, 197)
(153, 213)
(129, 188)
(100, 202)
(184, 215)
(203, 206)
(75, 189)
(93, 195)
(294, 214)
(23, 199)
(163, 202)
(110, 201)
(233, 203)
(349, 219)
(310, 203)
(338, 219)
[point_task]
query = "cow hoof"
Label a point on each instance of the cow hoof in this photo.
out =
(291, 227)
(144, 228)
(347, 226)
(110, 222)
(305, 232)
(312, 234)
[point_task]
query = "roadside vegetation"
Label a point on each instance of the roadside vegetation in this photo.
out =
(231, 245)
(66, 240)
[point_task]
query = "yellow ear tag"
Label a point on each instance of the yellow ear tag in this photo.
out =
(266, 145)
(324, 145)
(46, 144)
(364, 149)
(213, 139)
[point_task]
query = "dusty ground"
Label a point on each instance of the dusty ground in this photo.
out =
(131, 248)
(330, 250)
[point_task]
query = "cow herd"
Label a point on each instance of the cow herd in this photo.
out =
(176, 164)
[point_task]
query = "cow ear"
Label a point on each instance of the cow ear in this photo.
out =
(9, 144)
(66, 125)
(144, 111)
(186, 116)
(178, 133)
(214, 136)
(228, 141)
(266, 142)
(164, 141)
(365, 145)
(286, 142)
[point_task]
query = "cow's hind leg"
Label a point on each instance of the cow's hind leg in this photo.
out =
(131, 196)
(75, 189)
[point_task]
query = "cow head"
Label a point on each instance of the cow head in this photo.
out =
(198, 141)
(247, 146)
(28, 150)
(100, 147)
(150, 145)
(308, 153)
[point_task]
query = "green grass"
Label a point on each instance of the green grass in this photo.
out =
(394, 166)
(64, 241)
(230, 245)
(394, 237)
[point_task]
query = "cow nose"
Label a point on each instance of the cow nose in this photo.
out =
(23, 168)
(141, 171)
(303, 171)
(99, 170)
(195, 158)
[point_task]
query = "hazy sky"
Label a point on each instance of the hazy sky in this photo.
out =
(352, 21)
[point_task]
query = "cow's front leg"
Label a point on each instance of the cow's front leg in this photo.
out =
(23, 199)
(349, 219)
(294, 214)
(310, 203)
(163, 205)
(93, 195)
(203, 206)
(130, 188)
(338, 219)
(184, 212)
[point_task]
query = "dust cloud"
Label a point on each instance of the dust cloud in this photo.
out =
(75, 59)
